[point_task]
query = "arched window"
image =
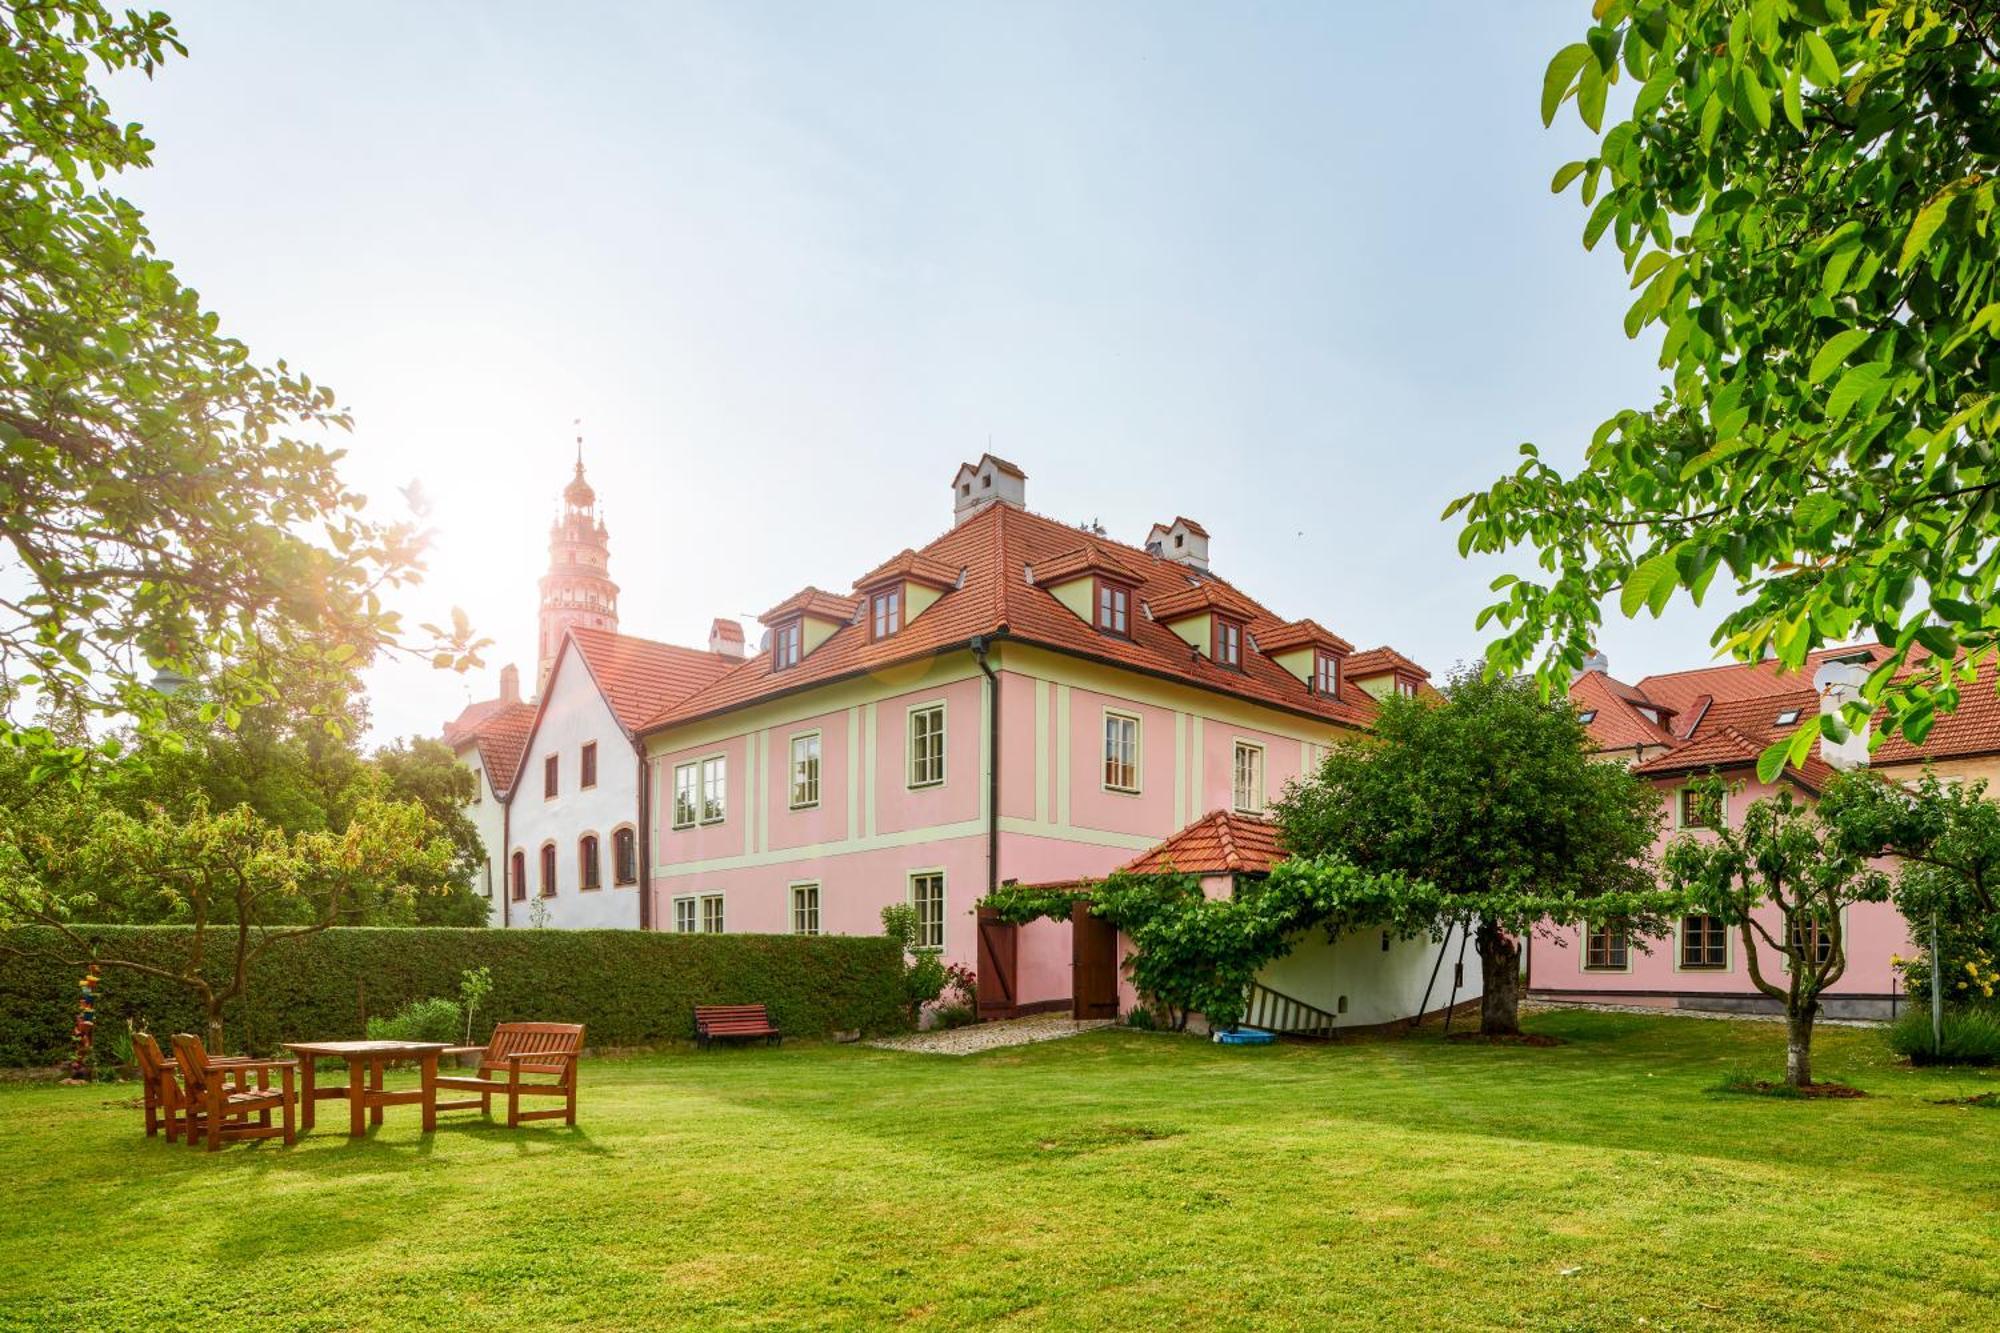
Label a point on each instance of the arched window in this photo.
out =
(517, 881)
(588, 875)
(624, 857)
(548, 870)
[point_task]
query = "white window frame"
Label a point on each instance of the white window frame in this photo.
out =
(806, 906)
(719, 764)
(913, 780)
(1235, 773)
(1119, 715)
(943, 901)
(693, 769)
(721, 907)
(687, 915)
(792, 790)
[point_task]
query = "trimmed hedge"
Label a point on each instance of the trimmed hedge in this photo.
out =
(628, 987)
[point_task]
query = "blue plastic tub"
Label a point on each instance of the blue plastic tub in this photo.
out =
(1246, 1037)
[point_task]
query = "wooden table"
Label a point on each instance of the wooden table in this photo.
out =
(365, 1062)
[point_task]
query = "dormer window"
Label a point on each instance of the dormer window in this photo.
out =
(1326, 674)
(886, 611)
(1114, 609)
(786, 642)
(1227, 650)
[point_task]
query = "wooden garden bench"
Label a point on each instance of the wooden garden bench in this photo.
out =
(218, 1111)
(517, 1049)
(733, 1021)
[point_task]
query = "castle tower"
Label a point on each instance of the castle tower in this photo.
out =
(578, 589)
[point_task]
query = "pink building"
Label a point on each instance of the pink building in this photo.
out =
(1677, 727)
(1019, 699)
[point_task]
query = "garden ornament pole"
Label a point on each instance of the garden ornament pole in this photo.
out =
(1937, 991)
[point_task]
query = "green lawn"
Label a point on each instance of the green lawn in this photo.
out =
(1115, 1180)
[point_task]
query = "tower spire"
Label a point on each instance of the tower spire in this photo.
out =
(577, 590)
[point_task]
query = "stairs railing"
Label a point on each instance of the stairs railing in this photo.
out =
(1275, 1011)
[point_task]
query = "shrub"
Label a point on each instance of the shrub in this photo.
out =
(1971, 1037)
(924, 975)
(628, 987)
(950, 1016)
(1139, 1016)
(420, 1020)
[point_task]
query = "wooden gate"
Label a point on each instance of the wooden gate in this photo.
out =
(998, 941)
(1093, 975)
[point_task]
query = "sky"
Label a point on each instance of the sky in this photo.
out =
(1291, 270)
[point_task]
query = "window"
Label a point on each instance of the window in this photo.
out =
(1789, 716)
(624, 857)
(686, 809)
(1694, 813)
(588, 873)
(587, 764)
(1114, 606)
(1121, 752)
(684, 916)
(1812, 939)
(805, 909)
(1703, 945)
(548, 884)
(927, 745)
(805, 771)
(550, 768)
(1606, 949)
(927, 896)
(1326, 675)
(714, 789)
(1247, 787)
(1228, 643)
(888, 612)
(1406, 687)
(517, 886)
(711, 913)
(785, 644)
(1587, 716)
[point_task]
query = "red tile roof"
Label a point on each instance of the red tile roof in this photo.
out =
(1192, 600)
(724, 628)
(1381, 661)
(1617, 723)
(501, 735)
(1735, 731)
(1220, 842)
(996, 546)
(907, 564)
(1302, 634)
(1973, 728)
(1744, 680)
(639, 677)
(1089, 558)
(813, 602)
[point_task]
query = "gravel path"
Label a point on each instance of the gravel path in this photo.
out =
(977, 1037)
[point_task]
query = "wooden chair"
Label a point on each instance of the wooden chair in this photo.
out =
(733, 1021)
(163, 1089)
(517, 1049)
(216, 1111)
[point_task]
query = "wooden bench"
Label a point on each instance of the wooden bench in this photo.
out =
(517, 1049)
(733, 1021)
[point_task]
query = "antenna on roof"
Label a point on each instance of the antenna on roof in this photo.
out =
(578, 423)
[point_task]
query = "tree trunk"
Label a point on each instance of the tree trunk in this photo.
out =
(1798, 1045)
(1500, 972)
(215, 1046)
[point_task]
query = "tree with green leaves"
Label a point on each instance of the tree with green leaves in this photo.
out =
(241, 884)
(167, 505)
(1492, 798)
(1803, 192)
(1783, 878)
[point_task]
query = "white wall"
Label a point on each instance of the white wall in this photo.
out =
(1381, 986)
(576, 713)
(489, 817)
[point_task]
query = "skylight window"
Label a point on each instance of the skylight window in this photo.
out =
(1587, 716)
(1789, 716)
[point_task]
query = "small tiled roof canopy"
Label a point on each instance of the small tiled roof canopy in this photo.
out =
(1379, 661)
(812, 601)
(1220, 842)
(1005, 554)
(907, 564)
(1302, 634)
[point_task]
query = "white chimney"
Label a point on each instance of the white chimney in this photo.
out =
(979, 484)
(725, 638)
(1838, 683)
(510, 684)
(1183, 541)
(1595, 661)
